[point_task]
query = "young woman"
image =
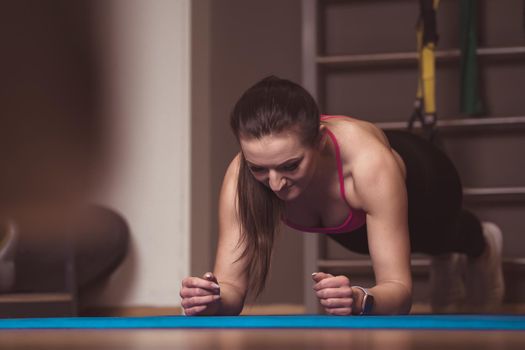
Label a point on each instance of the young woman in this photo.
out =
(383, 194)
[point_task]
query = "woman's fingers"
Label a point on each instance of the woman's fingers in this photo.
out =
(209, 276)
(332, 282)
(334, 293)
(344, 311)
(319, 276)
(336, 303)
(194, 310)
(341, 292)
(191, 302)
(196, 282)
(196, 292)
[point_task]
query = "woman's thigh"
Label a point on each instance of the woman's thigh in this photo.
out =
(434, 193)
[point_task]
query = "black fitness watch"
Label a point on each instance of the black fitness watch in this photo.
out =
(368, 301)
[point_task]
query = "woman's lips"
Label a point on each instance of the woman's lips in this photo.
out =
(284, 190)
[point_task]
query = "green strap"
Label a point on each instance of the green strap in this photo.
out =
(471, 101)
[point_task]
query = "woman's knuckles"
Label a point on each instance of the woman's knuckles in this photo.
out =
(187, 282)
(340, 311)
(334, 282)
(336, 302)
(343, 292)
(343, 281)
(343, 311)
(330, 303)
(192, 292)
(194, 282)
(194, 310)
(199, 300)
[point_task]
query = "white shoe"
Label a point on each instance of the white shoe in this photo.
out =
(485, 284)
(447, 288)
(8, 240)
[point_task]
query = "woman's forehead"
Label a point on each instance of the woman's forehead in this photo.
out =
(273, 149)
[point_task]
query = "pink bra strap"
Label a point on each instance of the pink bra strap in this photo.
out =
(328, 117)
(339, 165)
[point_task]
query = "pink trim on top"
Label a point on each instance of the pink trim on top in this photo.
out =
(339, 166)
(327, 117)
(348, 225)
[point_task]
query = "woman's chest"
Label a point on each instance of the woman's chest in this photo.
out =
(327, 208)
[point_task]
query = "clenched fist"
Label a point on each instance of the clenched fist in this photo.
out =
(199, 294)
(334, 293)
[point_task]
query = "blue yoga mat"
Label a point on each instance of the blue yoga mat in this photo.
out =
(456, 322)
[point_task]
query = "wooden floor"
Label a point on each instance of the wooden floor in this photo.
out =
(261, 339)
(272, 309)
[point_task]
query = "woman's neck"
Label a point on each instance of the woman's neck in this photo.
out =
(323, 178)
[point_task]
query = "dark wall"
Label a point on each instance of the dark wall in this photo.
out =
(248, 40)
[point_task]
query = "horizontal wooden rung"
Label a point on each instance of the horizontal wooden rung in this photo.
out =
(35, 298)
(494, 191)
(417, 264)
(411, 57)
(511, 121)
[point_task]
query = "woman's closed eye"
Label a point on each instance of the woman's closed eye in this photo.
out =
(285, 167)
(290, 167)
(257, 169)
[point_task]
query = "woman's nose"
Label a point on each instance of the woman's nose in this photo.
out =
(276, 181)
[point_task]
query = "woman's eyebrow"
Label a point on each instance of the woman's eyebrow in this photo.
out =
(292, 160)
(286, 162)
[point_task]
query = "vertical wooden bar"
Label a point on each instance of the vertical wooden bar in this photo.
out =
(309, 81)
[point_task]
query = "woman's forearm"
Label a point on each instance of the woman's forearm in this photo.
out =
(231, 302)
(390, 298)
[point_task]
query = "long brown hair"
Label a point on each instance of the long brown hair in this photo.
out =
(271, 106)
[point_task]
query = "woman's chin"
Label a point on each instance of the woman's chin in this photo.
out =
(288, 194)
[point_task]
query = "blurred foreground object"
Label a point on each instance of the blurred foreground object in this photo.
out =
(51, 151)
(50, 105)
(58, 263)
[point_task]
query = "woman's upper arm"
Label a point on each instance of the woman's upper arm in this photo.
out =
(380, 186)
(229, 268)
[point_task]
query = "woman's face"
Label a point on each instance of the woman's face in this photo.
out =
(281, 162)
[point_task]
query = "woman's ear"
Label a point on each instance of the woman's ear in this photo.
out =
(321, 137)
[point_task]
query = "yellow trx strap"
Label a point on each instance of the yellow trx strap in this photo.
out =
(426, 35)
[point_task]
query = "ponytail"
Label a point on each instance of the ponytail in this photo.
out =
(260, 212)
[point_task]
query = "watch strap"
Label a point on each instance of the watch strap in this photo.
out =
(366, 306)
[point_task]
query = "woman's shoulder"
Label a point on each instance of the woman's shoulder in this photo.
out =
(229, 183)
(361, 144)
(232, 172)
(353, 132)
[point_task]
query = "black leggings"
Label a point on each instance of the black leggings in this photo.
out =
(437, 222)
